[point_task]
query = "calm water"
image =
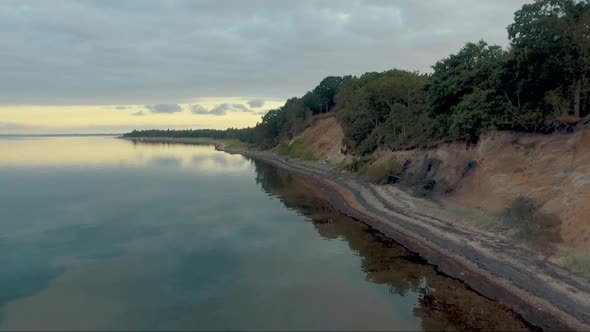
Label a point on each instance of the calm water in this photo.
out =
(101, 233)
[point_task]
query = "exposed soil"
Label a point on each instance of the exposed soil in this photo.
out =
(323, 140)
(553, 171)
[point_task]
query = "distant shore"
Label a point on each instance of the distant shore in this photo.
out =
(543, 293)
(59, 135)
(187, 140)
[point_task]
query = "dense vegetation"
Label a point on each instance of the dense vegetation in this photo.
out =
(539, 81)
(244, 134)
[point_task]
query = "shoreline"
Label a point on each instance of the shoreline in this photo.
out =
(543, 294)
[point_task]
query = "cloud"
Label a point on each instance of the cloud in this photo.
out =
(241, 107)
(219, 109)
(122, 107)
(139, 113)
(14, 126)
(198, 109)
(164, 108)
(256, 103)
(114, 52)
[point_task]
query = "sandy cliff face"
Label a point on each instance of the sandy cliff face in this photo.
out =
(553, 171)
(323, 140)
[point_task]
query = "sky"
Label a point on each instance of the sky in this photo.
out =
(110, 66)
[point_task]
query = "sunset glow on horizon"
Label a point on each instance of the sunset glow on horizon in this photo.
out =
(214, 113)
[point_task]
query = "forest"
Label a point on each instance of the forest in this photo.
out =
(539, 83)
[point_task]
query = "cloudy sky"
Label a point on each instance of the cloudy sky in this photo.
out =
(115, 65)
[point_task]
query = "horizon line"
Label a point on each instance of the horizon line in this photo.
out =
(63, 134)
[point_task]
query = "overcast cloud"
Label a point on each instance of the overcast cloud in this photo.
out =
(220, 109)
(241, 107)
(164, 108)
(148, 52)
(198, 109)
(256, 103)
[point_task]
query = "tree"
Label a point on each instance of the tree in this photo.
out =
(321, 98)
(551, 44)
(478, 110)
(381, 108)
(460, 74)
(297, 117)
(462, 84)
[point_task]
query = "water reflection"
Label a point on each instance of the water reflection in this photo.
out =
(165, 161)
(82, 152)
(444, 304)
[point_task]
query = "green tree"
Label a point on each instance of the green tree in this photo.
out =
(322, 98)
(462, 85)
(551, 44)
(473, 67)
(478, 110)
(381, 108)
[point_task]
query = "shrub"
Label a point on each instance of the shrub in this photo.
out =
(580, 263)
(297, 149)
(358, 164)
(384, 172)
(538, 229)
(282, 149)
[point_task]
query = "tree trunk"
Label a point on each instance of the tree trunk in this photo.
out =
(577, 91)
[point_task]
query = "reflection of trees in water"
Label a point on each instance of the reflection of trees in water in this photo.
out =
(206, 158)
(170, 143)
(444, 303)
(219, 160)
